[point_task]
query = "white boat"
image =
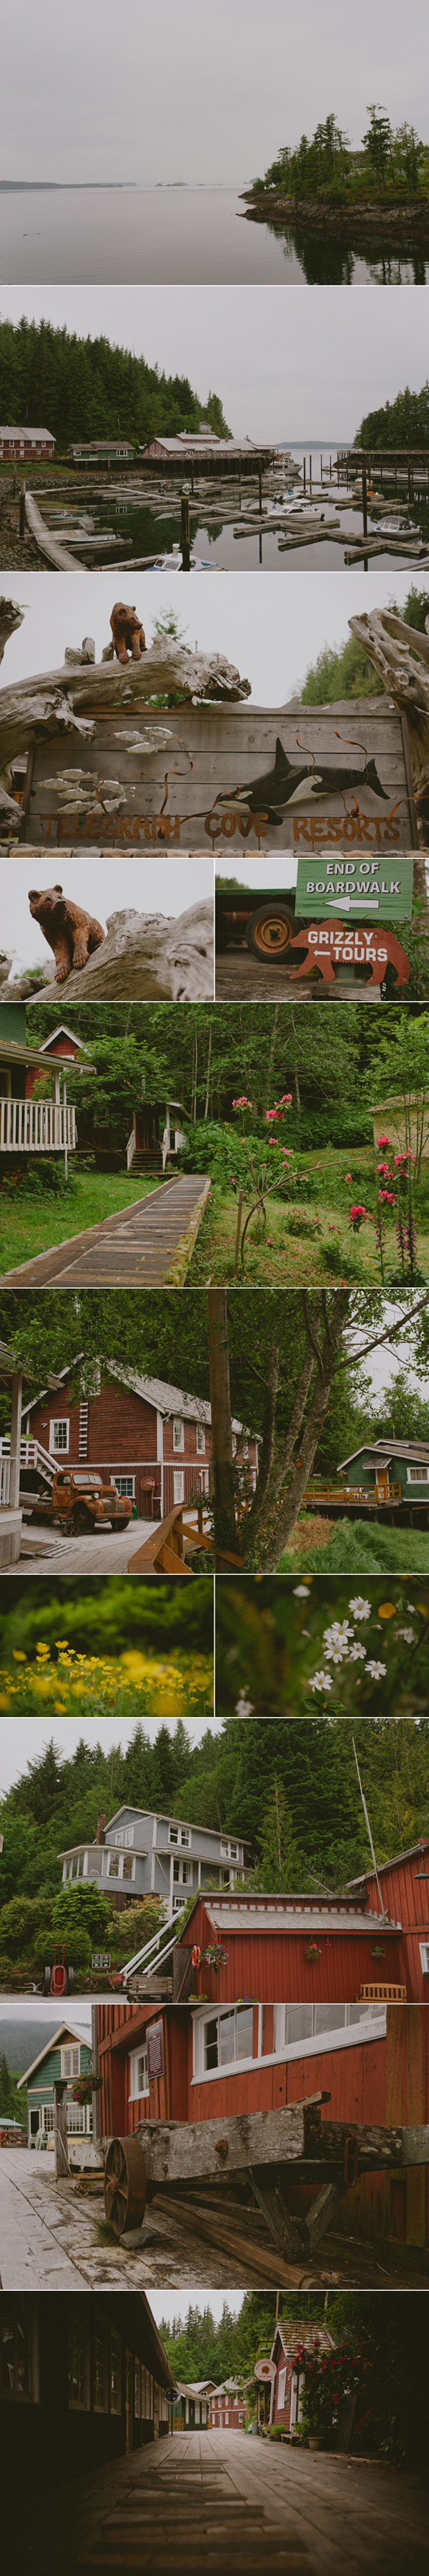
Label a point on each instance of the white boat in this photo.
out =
(396, 528)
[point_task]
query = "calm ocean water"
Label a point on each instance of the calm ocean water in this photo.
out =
(168, 236)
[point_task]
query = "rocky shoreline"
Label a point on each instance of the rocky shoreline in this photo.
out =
(406, 225)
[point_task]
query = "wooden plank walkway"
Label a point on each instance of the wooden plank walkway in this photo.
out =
(203, 2498)
(143, 1246)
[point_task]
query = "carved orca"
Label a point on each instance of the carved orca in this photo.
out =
(290, 784)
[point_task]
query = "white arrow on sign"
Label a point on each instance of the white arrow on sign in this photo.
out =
(353, 902)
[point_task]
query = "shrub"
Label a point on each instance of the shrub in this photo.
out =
(42, 1180)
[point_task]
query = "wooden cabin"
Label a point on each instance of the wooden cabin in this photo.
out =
(319, 1950)
(152, 1438)
(29, 1126)
(372, 2062)
(82, 2381)
(61, 1042)
(280, 2388)
(22, 444)
(389, 1469)
(66, 2055)
(101, 451)
(189, 2408)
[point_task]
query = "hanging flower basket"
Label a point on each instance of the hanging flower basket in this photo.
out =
(313, 1952)
(215, 1956)
(85, 2086)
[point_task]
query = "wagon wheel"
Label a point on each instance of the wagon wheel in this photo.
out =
(124, 2184)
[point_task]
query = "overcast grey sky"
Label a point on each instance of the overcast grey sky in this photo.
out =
(193, 93)
(102, 885)
(271, 630)
(309, 367)
(32, 1734)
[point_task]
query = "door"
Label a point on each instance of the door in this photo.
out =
(382, 1484)
(128, 2401)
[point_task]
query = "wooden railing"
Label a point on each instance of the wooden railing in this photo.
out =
(318, 1493)
(36, 1126)
(175, 1539)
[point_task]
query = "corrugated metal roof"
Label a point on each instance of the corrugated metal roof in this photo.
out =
(24, 432)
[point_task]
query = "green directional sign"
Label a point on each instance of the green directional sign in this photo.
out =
(332, 887)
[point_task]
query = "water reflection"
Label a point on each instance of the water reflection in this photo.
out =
(333, 262)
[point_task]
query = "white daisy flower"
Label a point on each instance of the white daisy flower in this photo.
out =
(376, 1670)
(336, 1654)
(301, 1592)
(408, 1634)
(243, 1706)
(362, 1609)
(321, 1681)
(357, 1653)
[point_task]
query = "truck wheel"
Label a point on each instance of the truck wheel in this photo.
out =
(82, 1521)
(270, 930)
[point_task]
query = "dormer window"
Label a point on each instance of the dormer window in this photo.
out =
(178, 1433)
(119, 1836)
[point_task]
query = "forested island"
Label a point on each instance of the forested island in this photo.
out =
(324, 179)
(85, 388)
(402, 423)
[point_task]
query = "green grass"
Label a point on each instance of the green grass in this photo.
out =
(29, 1226)
(278, 1257)
(359, 1547)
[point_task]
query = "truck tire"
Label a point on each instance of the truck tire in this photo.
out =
(270, 930)
(47, 1973)
(81, 1521)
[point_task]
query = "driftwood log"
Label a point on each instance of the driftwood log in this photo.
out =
(11, 616)
(147, 957)
(401, 657)
(58, 702)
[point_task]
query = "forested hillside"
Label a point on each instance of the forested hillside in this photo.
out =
(92, 389)
(403, 423)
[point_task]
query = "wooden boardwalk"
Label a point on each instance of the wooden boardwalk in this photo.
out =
(147, 1245)
(208, 2499)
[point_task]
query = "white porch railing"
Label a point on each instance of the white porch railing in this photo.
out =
(32, 1454)
(36, 1126)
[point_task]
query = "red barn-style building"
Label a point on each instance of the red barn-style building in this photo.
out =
(279, 2387)
(63, 1042)
(153, 1440)
(317, 1951)
(25, 443)
(221, 2064)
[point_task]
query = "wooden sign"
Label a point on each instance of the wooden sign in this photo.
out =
(376, 887)
(155, 2050)
(229, 777)
(334, 946)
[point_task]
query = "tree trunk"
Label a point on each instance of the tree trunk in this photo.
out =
(220, 1400)
(206, 1109)
(401, 657)
(272, 1527)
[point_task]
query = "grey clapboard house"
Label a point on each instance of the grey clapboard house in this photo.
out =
(140, 1854)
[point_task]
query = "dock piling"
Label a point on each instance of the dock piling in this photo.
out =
(184, 532)
(22, 510)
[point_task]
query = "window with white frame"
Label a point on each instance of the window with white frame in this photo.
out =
(119, 1836)
(229, 1851)
(245, 1448)
(179, 1484)
(121, 1865)
(139, 2079)
(75, 2119)
(203, 1480)
(59, 1436)
(70, 2062)
(47, 2119)
(424, 1955)
(125, 1485)
(178, 1433)
(129, 1835)
(182, 1873)
(201, 1440)
(281, 2390)
(226, 2039)
(417, 1475)
(180, 1834)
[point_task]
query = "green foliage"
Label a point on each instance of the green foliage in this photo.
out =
(39, 1181)
(12, 2103)
(90, 388)
(401, 423)
(325, 166)
(345, 671)
(270, 1643)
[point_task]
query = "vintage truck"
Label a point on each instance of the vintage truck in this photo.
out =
(78, 1500)
(263, 916)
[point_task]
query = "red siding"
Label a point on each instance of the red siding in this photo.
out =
(406, 1897)
(383, 2081)
(273, 1965)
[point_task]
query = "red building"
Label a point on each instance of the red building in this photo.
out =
(319, 1951)
(228, 2408)
(62, 1042)
(279, 2387)
(25, 443)
(154, 1441)
(216, 2065)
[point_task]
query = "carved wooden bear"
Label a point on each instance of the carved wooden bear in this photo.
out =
(69, 931)
(128, 633)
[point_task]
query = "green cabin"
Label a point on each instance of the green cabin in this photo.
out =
(389, 1469)
(67, 2055)
(189, 2407)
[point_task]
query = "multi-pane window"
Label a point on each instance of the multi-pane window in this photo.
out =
(281, 2390)
(139, 2079)
(70, 2062)
(100, 2387)
(125, 1485)
(59, 1434)
(113, 1864)
(179, 1485)
(182, 1872)
(75, 2119)
(201, 1440)
(78, 2393)
(298, 2025)
(115, 2372)
(417, 1475)
(16, 2347)
(179, 1834)
(228, 2036)
(178, 1435)
(47, 2118)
